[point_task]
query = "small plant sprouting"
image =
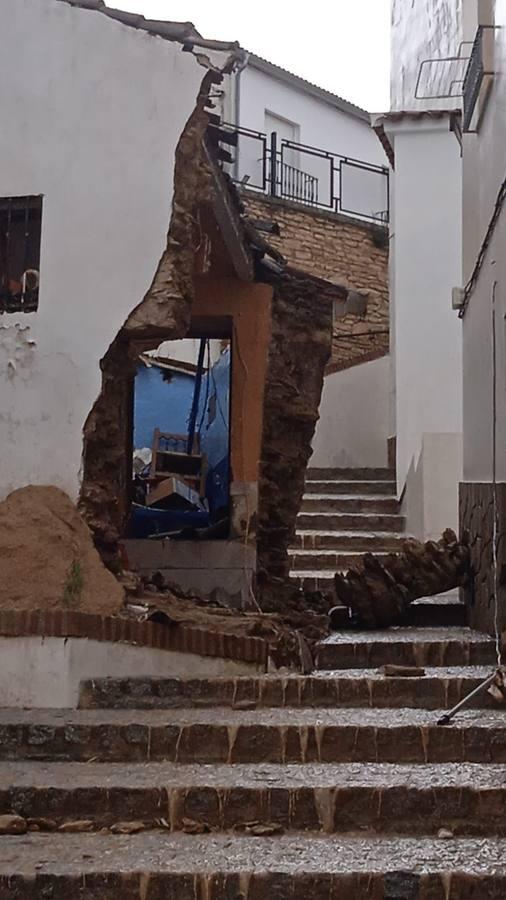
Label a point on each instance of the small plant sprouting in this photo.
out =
(73, 585)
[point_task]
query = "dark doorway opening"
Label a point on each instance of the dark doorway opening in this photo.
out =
(181, 440)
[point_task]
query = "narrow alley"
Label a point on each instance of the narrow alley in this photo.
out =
(253, 434)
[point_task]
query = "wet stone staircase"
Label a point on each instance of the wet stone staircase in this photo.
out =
(334, 786)
(345, 513)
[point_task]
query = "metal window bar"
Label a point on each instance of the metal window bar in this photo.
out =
(282, 179)
(20, 233)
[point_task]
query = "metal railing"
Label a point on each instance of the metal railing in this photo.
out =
(310, 175)
(465, 76)
(473, 80)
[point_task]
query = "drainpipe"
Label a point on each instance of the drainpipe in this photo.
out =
(237, 116)
(196, 397)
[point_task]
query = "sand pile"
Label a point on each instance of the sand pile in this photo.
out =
(47, 557)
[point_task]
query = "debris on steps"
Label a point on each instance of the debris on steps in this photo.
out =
(291, 637)
(378, 592)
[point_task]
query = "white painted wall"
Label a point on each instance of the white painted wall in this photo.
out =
(426, 247)
(93, 111)
(353, 428)
(422, 29)
(431, 502)
(45, 673)
(484, 171)
(321, 125)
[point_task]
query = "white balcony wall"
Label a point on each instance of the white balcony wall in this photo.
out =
(422, 29)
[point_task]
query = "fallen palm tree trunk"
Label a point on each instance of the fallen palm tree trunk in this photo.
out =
(378, 593)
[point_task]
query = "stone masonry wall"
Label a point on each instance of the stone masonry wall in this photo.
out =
(344, 251)
(476, 517)
(298, 354)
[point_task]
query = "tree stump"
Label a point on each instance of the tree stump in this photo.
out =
(378, 592)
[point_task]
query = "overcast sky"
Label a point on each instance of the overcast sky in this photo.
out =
(341, 45)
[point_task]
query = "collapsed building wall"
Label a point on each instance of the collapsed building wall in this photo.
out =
(299, 351)
(99, 250)
(96, 126)
(163, 314)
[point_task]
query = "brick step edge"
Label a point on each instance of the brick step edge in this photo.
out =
(427, 692)
(115, 629)
(404, 809)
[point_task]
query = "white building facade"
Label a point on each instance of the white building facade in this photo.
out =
(421, 137)
(467, 36)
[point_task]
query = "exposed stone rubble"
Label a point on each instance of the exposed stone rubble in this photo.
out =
(163, 313)
(340, 783)
(300, 348)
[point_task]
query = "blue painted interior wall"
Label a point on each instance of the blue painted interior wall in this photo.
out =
(215, 431)
(166, 404)
(214, 414)
(160, 404)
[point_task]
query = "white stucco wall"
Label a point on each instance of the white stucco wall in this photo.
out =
(353, 428)
(38, 672)
(93, 111)
(421, 29)
(426, 247)
(484, 171)
(321, 125)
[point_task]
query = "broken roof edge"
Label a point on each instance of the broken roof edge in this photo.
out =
(182, 32)
(345, 106)
(269, 270)
(381, 122)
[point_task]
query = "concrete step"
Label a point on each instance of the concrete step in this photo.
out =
(348, 540)
(440, 687)
(440, 611)
(468, 798)
(327, 522)
(311, 580)
(350, 474)
(321, 560)
(317, 503)
(406, 646)
(221, 735)
(352, 487)
(344, 542)
(153, 866)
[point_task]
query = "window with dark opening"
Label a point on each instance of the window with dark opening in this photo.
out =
(20, 230)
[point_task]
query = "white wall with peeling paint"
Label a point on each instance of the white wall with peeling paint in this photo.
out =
(91, 113)
(423, 29)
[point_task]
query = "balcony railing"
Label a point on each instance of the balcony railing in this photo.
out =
(309, 175)
(473, 80)
(465, 76)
